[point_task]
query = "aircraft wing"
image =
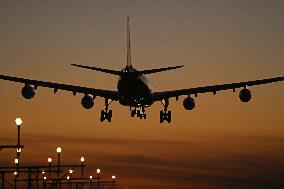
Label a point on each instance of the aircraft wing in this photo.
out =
(214, 88)
(58, 86)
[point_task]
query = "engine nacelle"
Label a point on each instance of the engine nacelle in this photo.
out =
(87, 102)
(188, 103)
(245, 95)
(28, 92)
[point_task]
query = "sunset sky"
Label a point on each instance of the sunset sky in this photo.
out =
(223, 143)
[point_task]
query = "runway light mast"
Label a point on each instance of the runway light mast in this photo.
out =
(82, 159)
(58, 150)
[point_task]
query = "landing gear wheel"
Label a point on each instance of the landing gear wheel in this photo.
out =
(133, 112)
(102, 115)
(169, 116)
(138, 113)
(142, 116)
(109, 115)
(161, 116)
(106, 115)
(165, 115)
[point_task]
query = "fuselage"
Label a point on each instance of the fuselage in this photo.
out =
(133, 89)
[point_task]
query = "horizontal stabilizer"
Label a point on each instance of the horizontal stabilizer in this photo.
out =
(144, 72)
(113, 72)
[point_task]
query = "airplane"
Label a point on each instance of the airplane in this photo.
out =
(133, 90)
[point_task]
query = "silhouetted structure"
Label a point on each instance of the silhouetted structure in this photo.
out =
(59, 176)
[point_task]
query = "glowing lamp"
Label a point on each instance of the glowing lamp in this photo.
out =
(18, 121)
(58, 150)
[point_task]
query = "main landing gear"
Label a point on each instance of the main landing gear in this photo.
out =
(106, 114)
(140, 113)
(165, 115)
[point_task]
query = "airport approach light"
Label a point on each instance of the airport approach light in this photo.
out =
(98, 171)
(113, 181)
(49, 165)
(58, 150)
(49, 160)
(18, 121)
(82, 159)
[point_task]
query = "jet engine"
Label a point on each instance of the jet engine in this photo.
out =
(245, 95)
(188, 103)
(87, 102)
(28, 92)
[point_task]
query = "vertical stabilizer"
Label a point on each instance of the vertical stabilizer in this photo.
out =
(128, 44)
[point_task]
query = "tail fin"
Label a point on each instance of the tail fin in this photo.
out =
(128, 44)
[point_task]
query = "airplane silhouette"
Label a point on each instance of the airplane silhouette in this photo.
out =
(133, 89)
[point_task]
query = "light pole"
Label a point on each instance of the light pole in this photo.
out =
(58, 150)
(49, 165)
(91, 181)
(16, 174)
(82, 163)
(113, 181)
(68, 178)
(17, 163)
(18, 122)
(43, 180)
(98, 172)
